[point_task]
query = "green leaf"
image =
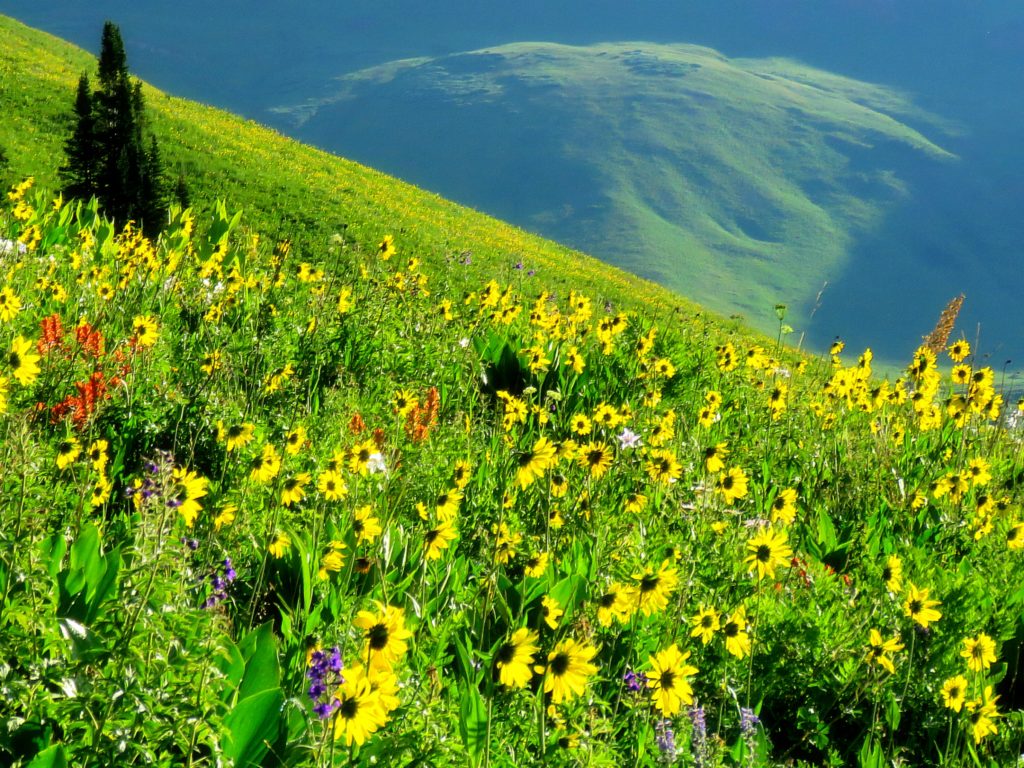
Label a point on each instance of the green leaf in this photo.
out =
(51, 757)
(254, 723)
(262, 672)
(473, 723)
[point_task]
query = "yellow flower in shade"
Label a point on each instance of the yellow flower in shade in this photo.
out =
(505, 544)
(1014, 534)
(404, 401)
(536, 461)
(461, 474)
(22, 361)
(279, 545)
(653, 589)
(958, 350)
(294, 441)
(514, 658)
(596, 457)
(384, 635)
(892, 574)
(360, 455)
(574, 360)
(607, 416)
(978, 471)
(438, 539)
(568, 669)
(670, 689)
(559, 485)
(536, 565)
(365, 526)
(980, 652)
(953, 692)
(67, 451)
(537, 359)
(226, 516)
(294, 489)
(663, 367)
(705, 624)
(617, 603)
(188, 488)
(359, 712)
(265, 467)
(662, 466)
(880, 650)
(446, 505)
(768, 550)
(784, 506)
(732, 485)
(101, 491)
(212, 361)
(737, 641)
(635, 503)
(332, 561)
(551, 611)
(9, 304)
(97, 454)
(714, 457)
(983, 715)
(331, 486)
(236, 436)
(386, 247)
(918, 607)
(144, 330)
(3, 393)
(345, 301)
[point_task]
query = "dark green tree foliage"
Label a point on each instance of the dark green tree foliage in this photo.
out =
(78, 174)
(111, 154)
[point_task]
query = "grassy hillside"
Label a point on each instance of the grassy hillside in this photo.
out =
(321, 505)
(740, 182)
(286, 189)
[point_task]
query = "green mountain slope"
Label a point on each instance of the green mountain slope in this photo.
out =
(286, 189)
(738, 182)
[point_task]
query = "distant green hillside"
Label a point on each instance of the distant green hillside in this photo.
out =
(286, 189)
(738, 182)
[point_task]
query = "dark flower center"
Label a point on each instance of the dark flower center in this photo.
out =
(505, 654)
(349, 708)
(378, 637)
(667, 679)
(764, 553)
(649, 583)
(732, 629)
(560, 664)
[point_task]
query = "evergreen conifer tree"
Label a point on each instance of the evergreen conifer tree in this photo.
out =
(78, 174)
(107, 153)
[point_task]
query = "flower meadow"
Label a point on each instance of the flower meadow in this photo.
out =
(264, 507)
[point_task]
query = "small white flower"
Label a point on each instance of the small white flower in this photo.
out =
(376, 464)
(629, 439)
(464, 342)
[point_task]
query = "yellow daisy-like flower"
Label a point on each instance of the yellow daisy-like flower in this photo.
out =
(662, 466)
(714, 457)
(980, 652)
(438, 539)
(404, 401)
(784, 506)
(732, 485)
(97, 454)
(331, 486)
(574, 360)
(365, 526)
(536, 565)
(536, 461)
(514, 658)
(359, 712)
(265, 467)
(617, 603)
(446, 505)
(345, 301)
(737, 641)
(279, 545)
(461, 474)
(653, 589)
(226, 516)
(580, 424)
(294, 489)
(360, 455)
(189, 487)
(552, 611)
(954, 691)
(635, 503)
(23, 362)
(101, 491)
(10, 304)
(918, 607)
(67, 451)
(983, 715)
(705, 624)
(386, 248)
(768, 550)
(568, 669)
(597, 457)
(385, 635)
(880, 650)
(958, 350)
(294, 440)
(668, 682)
(332, 561)
(145, 330)
(892, 574)
(236, 436)
(1014, 535)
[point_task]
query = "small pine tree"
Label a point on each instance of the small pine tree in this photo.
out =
(78, 174)
(181, 193)
(153, 198)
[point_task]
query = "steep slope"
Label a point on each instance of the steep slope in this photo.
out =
(739, 182)
(285, 188)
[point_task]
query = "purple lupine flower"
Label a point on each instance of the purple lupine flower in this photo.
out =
(666, 740)
(635, 681)
(748, 722)
(699, 736)
(324, 674)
